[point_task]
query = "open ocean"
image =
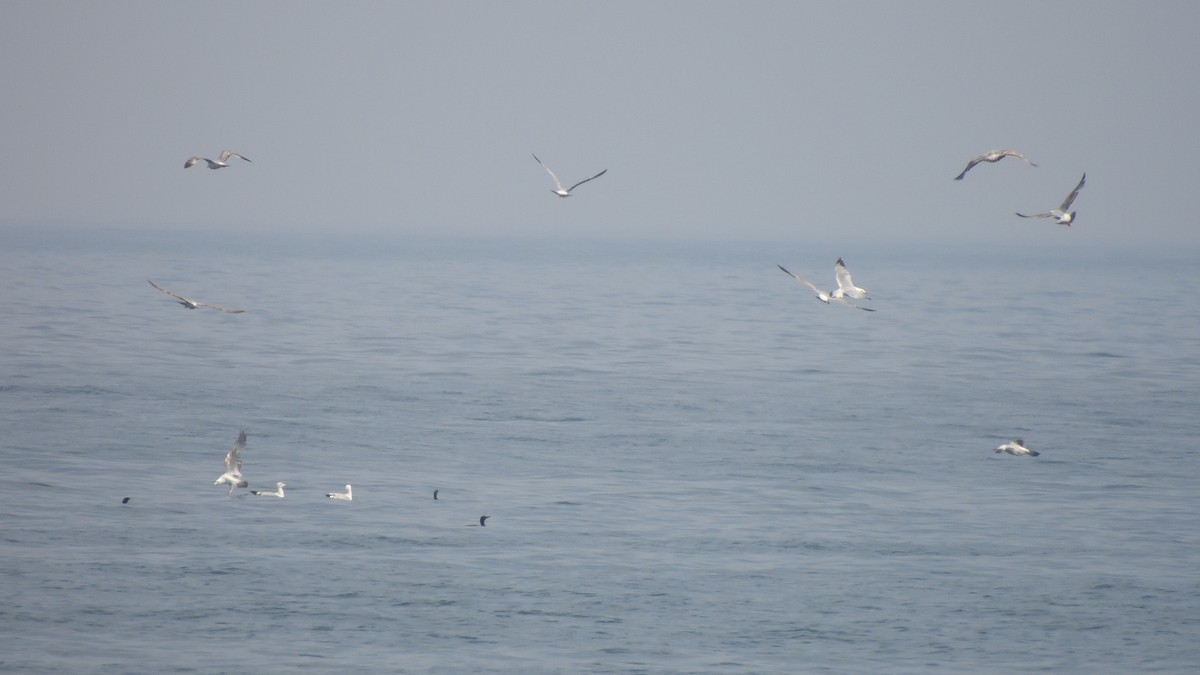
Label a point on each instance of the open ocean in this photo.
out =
(691, 465)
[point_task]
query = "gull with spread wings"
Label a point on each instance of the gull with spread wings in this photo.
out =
(192, 304)
(221, 163)
(561, 192)
(1062, 215)
(845, 287)
(233, 466)
(993, 156)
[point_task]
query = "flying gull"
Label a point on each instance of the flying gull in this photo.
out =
(1016, 447)
(277, 493)
(1061, 215)
(347, 496)
(567, 192)
(233, 466)
(192, 304)
(848, 288)
(993, 156)
(219, 164)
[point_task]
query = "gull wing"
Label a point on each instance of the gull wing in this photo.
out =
(227, 310)
(970, 165)
(170, 293)
(196, 159)
(851, 304)
(586, 180)
(806, 283)
(226, 154)
(233, 461)
(556, 183)
(843, 276)
(1014, 153)
(1074, 193)
(1038, 215)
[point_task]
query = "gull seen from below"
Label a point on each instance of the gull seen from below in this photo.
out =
(993, 156)
(560, 191)
(845, 287)
(1062, 215)
(1016, 447)
(221, 163)
(192, 304)
(233, 466)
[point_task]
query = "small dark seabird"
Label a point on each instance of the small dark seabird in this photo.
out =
(1061, 215)
(481, 523)
(193, 304)
(993, 156)
(1016, 447)
(435, 495)
(125, 501)
(219, 164)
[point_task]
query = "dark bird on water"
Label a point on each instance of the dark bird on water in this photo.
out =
(125, 501)
(435, 495)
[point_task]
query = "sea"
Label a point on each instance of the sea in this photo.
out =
(690, 464)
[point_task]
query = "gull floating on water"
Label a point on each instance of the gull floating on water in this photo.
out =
(192, 304)
(347, 496)
(277, 493)
(845, 287)
(993, 156)
(1061, 215)
(233, 466)
(219, 164)
(1016, 447)
(565, 192)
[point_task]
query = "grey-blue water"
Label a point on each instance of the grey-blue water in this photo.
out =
(691, 464)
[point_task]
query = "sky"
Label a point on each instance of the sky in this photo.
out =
(774, 121)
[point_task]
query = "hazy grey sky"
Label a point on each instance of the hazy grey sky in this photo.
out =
(760, 120)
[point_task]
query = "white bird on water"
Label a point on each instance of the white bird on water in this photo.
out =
(560, 191)
(233, 466)
(1016, 447)
(346, 496)
(993, 156)
(845, 287)
(221, 163)
(193, 304)
(1061, 215)
(277, 493)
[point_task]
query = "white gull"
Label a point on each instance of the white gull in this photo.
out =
(1061, 215)
(560, 191)
(233, 466)
(193, 304)
(1016, 447)
(346, 496)
(993, 156)
(221, 163)
(277, 493)
(837, 296)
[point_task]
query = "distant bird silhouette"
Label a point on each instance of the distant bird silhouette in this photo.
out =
(435, 495)
(1016, 447)
(233, 466)
(565, 192)
(125, 501)
(993, 156)
(1061, 215)
(192, 304)
(221, 163)
(481, 523)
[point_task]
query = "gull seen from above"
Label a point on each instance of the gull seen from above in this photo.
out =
(845, 287)
(1016, 447)
(192, 304)
(233, 466)
(221, 163)
(993, 156)
(560, 191)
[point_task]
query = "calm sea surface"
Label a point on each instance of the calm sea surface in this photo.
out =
(690, 464)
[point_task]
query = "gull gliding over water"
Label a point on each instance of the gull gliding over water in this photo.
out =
(565, 192)
(221, 163)
(192, 304)
(836, 295)
(993, 156)
(845, 284)
(347, 496)
(1061, 215)
(1016, 447)
(233, 466)
(277, 493)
